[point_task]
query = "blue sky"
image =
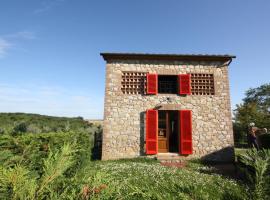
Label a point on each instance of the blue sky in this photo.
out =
(49, 49)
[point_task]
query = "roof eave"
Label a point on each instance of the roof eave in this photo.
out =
(166, 57)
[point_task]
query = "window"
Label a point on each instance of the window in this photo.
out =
(167, 84)
(197, 84)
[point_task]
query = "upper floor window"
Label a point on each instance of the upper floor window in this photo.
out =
(147, 83)
(167, 84)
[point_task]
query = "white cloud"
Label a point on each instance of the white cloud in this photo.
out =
(49, 100)
(47, 5)
(7, 42)
(4, 47)
(28, 35)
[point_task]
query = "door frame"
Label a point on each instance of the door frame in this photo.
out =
(168, 131)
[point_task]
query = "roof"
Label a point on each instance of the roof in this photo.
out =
(167, 57)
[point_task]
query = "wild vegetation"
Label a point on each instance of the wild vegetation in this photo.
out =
(256, 109)
(57, 163)
(256, 168)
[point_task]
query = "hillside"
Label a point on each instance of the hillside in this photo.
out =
(35, 123)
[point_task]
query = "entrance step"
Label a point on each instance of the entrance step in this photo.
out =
(170, 158)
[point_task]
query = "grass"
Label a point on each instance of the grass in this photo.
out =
(147, 179)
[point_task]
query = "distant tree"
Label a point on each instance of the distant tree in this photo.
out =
(255, 108)
(20, 128)
(32, 128)
(2, 131)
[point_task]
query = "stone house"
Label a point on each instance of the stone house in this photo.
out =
(167, 104)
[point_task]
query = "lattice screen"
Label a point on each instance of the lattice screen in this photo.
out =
(133, 82)
(202, 84)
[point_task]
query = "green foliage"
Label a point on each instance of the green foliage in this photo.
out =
(240, 134)
(18, 184)
(19, 128)
(258, 172)
(265, 141)
(260, 95)
(122, 179)
(54, 167)
(2, 131)
(255, 108)
(31, 128)
(52, 160)
(32, 123)
(150, 180)
(30, 149)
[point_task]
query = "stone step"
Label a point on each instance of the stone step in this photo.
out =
(172, 161)
(170, 158)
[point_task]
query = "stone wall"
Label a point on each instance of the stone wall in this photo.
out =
(124, 114)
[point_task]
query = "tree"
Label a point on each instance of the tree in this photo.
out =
(255, 108)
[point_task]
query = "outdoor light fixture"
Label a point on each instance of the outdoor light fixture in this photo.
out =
(167, 100)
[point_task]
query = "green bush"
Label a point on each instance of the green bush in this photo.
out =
(17, 182)
(57, 165)
(240, 134)
(20, 128)
(30, 149)
(2, 131)
(265, 141)
(258, 172)
(21, 121)
(33, 129)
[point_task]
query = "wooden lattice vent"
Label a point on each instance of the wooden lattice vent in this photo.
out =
(133, 82)
(202, 84)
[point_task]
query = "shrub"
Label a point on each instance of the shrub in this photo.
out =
(17, 183)
(45, 123)
(265, 141)
(2, 131)
(240, 134)
(67, 126)
(33, 129)
(30, 149)
(257, 172)
(20, 128)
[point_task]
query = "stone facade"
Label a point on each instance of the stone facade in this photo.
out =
(124, 114)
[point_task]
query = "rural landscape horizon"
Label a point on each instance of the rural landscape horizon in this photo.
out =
(51, 48)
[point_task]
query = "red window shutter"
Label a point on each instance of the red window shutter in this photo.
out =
(185, 117)
(152, 83)
(151, 131)
(184, 84)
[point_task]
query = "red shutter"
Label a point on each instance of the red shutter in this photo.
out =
(152, 83)
(185, 117)
(184, 84)
(151, 131)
